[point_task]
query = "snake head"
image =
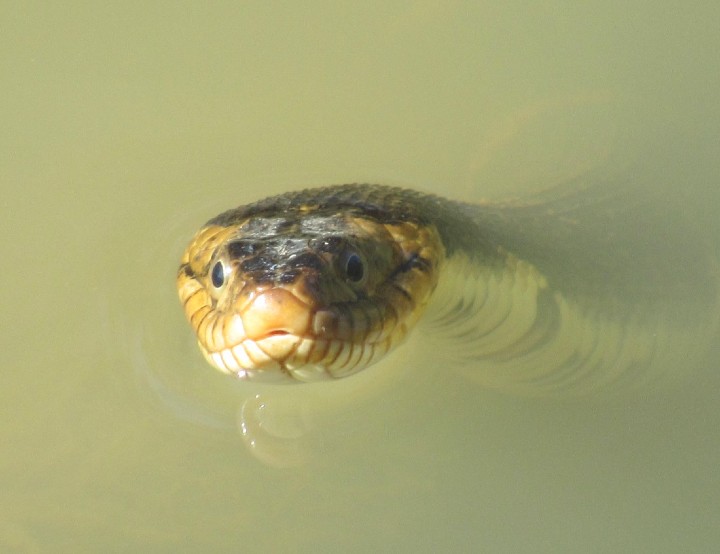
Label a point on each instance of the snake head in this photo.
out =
(308, 293)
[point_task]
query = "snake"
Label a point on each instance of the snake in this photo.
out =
(320, 283)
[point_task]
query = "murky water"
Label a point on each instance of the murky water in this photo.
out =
(125, 128)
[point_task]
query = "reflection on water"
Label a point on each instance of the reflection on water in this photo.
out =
(124, 128)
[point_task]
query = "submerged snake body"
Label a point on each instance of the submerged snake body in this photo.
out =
(321, 283)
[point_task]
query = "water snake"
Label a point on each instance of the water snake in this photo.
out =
(322, 282)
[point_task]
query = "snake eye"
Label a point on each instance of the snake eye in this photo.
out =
(354, 268)
(217, 276)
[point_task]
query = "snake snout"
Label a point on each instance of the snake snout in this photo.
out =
(276, 312)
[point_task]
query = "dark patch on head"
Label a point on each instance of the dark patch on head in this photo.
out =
(240, 249)
(286, 225)
(265, 278)
(394, 216)
(292, 237)
(258, 263)
(185, 268)
(288, 277)
(306, 260)
(384, 204)
(331, 245)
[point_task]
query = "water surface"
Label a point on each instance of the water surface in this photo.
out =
(125, 128)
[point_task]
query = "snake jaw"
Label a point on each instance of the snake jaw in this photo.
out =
(279, 338)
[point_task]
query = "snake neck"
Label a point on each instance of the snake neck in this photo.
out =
(505, 327)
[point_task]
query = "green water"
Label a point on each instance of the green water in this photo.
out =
(124, 127)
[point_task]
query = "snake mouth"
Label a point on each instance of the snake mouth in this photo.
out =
(279, 337)
(261, 340)
(281, 356)
(279, 334)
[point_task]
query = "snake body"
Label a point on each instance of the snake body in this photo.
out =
(320, 283)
